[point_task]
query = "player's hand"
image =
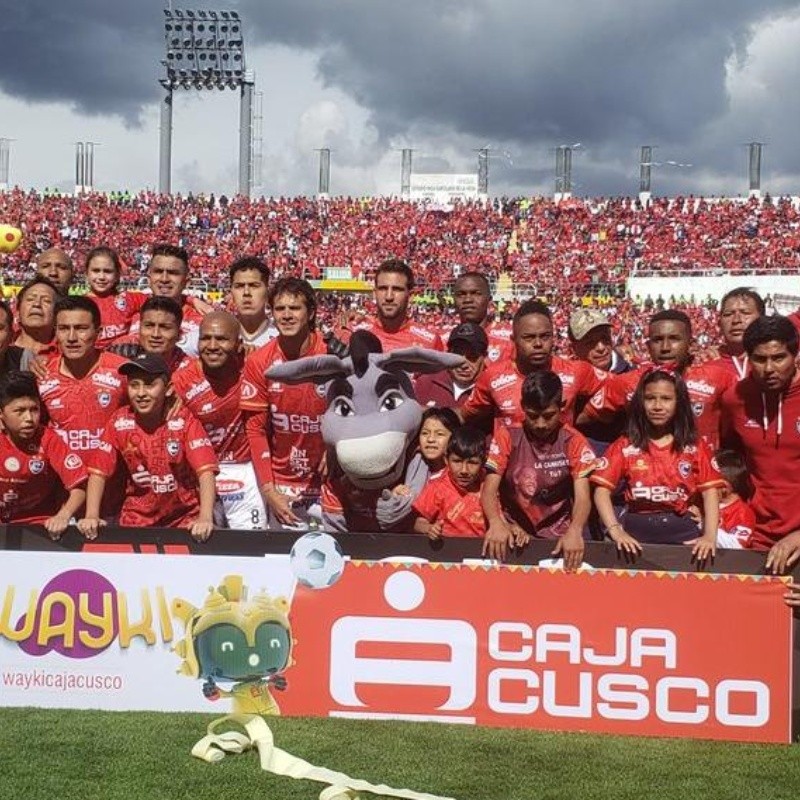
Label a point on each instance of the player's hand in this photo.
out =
(55, 526)
(90, 526)
(571, 547)
(521, 536)
(38, 366)
(499, 537)
(783, 554)
(201, 530)
(792, 596)
(201, 306)
(281, 506)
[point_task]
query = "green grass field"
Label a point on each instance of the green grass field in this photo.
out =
(84, 755)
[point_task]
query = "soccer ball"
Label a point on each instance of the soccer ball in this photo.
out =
(317, 560)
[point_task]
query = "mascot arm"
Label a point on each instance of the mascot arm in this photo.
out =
(392, 509)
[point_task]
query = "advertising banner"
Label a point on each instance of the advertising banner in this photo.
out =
(443, 189)
(642, 653)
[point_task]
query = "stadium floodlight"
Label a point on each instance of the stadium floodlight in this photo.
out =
(235, 15)
(201, 14)
(224, 14)
(177, 14)
(212, 15)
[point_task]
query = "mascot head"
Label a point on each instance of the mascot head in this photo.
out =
(372, 414)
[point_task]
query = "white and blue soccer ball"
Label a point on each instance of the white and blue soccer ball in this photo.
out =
(317, 560)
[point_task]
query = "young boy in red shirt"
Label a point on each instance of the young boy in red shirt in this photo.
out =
(169, 459)
(450, 505)
(41, 481)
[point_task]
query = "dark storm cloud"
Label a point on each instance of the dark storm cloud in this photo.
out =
(101, 57)
(525, 69)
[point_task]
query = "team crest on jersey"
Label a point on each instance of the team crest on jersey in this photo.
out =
(36, 465)
(104, 398)
(73, 461)
(121, 302)
(493, 354)
(685, 469)
(698, 408)
(320, 389)
(12, 464)
(173, 447)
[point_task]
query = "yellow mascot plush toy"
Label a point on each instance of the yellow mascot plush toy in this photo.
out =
(10, 238)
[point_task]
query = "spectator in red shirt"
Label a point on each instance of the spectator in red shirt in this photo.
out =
(761, 420)
(664, 463)
(55, 265)
(41, 481)
(450, 505)
(169, 459)
(537, 476)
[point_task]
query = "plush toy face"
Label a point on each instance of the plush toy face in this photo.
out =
(10, 238)
(224, 653)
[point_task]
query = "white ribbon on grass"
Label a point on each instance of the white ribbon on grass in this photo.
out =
(213, 747)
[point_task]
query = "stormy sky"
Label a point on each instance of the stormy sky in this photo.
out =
(698, 80)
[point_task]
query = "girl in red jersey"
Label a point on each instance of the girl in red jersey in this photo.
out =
(117, 307)
(663, 463)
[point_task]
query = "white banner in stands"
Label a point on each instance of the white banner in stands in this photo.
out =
(443, 189)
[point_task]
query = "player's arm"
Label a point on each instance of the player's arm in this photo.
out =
(202, 527)
(57, 524)
(571, 545)
(91, 523)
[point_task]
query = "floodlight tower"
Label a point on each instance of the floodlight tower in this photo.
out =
(324, 187)
(645, 173)
(563, 184)
(754, 168)
(5, 160)
(205, 50)
(483, 172)
(405, 172)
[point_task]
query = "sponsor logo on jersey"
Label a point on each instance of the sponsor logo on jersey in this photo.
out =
(631, 450)
(197, 443)
(176, 424)
(248, 391)
(36, 465)
(106, 379)
(503, 380)
(701, 387)
(12, 464)
(124, 424)
(73, 461)
(45, 387)
(196, 389)
(587, 456)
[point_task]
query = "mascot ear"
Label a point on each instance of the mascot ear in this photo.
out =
(10, 238)
(418, 360)
(312, 369)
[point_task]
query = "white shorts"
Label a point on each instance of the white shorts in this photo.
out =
(239, 503)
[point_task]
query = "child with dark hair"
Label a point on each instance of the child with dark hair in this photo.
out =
(536, 482)
(450, 504)
(41, 481)
(438, 425)
(736, 518)
(664, 463)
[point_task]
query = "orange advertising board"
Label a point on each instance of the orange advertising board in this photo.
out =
(641, 653)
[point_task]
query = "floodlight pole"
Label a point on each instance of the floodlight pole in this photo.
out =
(165, 146)
(405, 173)
(245, 134)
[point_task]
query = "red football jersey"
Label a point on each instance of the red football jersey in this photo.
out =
(190, 325)
(35, 480)
(657, 479)
(739, 520)
(284, 432)
(411, 334)
(768, 435)
(162, 466)
(738, 366)
(499, 389)
(501, 348)
(216, 404)
(537, 487)
(80, 408)
(117, 312)
(706, 383)
(459, 510)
